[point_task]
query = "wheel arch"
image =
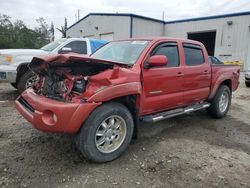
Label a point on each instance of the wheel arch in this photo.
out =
(21, 69)
(130, 102)
(228, 82)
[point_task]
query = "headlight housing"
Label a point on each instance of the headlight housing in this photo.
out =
(7, 58)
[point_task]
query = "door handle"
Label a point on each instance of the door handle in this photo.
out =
(180, 74)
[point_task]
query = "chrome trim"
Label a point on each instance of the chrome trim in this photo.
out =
(155, 92)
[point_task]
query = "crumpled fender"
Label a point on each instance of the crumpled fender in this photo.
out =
(113, 83)
(116, 91)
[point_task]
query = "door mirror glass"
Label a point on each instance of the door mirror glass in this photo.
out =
(157, 60)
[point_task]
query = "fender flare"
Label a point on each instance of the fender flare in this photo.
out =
(112, 92)
(218, 83)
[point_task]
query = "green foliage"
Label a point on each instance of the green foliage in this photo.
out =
(17, 35)
(63, 28)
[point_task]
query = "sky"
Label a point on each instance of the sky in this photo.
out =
(56, 10)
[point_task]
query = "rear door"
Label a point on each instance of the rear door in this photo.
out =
(197, 74)
(162, 86)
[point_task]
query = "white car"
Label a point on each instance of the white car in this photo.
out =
(247, 78)
(13, 62)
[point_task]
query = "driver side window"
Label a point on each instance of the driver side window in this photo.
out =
(171, 51)
(79, 47)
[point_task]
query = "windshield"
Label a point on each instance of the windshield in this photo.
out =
(53, 45)
(121, 51)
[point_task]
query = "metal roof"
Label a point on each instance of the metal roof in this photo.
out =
(161, 21)
(118, 14)
(210, 17)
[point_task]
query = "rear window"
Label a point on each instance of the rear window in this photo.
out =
(193, 55)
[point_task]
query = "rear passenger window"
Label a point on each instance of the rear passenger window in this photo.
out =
(171, 51)
(193, 55)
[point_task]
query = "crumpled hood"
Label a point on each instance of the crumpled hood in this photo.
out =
(41, 64)
(72, 77)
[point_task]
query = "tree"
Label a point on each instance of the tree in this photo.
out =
(42, 31)
(17, 35)
(5, 31)
(5, 21)
(52, 32)
(63, 28)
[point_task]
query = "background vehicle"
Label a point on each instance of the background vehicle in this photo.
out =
(102, 98)
(214, 60)
(13, 62)
(247, 78)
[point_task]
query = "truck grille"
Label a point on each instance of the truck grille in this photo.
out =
(26, 105)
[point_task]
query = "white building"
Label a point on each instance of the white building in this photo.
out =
(225, 36)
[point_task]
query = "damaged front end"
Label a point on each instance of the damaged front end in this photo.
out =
(71, 78)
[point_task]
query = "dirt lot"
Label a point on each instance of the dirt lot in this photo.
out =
(188, 151)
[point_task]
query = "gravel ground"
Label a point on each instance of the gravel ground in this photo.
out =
(192, 150)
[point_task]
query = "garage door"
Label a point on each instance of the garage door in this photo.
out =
(107, 36)
(205, 37)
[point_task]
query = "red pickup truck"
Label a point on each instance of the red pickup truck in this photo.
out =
(102, 98)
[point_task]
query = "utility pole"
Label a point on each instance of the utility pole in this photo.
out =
(163, 15)
(78, 14)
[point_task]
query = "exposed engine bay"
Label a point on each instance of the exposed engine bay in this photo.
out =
(62, 79)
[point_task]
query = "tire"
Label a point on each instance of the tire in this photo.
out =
(217, 111)
(247, 84)
(22, 82)
(87, 139)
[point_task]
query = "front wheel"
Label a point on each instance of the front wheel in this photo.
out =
(106, 133)
(27, 80)
(221, 102)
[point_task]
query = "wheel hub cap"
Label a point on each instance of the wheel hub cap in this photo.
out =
(110, 134)
(224, 100)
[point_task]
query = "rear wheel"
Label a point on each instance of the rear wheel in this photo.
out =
(247, 84)
(106, 133)
(221, 102)
(27, 80)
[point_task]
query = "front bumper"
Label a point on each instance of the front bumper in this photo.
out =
(53, 116)
(7, 74)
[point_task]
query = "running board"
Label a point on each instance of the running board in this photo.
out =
(175, 112)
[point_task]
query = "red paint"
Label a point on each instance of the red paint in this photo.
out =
(157, 60)
(158, 88)
(70, 116)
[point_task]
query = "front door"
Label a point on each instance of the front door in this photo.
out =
(162, 86)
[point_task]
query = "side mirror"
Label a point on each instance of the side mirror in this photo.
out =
(157, 60)
(65, 50)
